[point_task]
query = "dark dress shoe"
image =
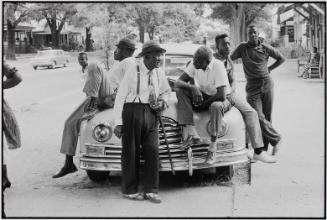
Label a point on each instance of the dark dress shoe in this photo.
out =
(5, 184)
(65, 170)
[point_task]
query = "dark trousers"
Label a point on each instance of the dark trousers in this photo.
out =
(140, 127)
(217, 110)
(260, 95)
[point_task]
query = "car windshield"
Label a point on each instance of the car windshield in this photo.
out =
(46, 53)
(175, 64)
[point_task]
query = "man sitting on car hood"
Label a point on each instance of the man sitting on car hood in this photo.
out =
(100, 89)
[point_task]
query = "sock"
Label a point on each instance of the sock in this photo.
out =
(69, 158)
(258, 150)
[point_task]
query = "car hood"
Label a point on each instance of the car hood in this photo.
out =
(201, 120)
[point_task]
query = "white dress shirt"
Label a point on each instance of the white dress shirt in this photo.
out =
(118, 70)
(210, 79)
(127, 92)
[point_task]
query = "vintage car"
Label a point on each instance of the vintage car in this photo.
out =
(50, 59)
(100, 149)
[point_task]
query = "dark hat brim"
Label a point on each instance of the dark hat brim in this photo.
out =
(125, 46)
(146, 51)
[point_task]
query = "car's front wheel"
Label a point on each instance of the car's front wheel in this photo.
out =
(53, 65)
(35, 67)
(98, 176)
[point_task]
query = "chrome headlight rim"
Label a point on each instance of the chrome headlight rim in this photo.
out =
(223, 131)
(99, 128)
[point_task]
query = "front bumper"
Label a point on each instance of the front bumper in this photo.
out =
(108, 157)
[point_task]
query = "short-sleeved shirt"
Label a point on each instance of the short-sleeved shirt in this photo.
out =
(255, 59)
(96, 83)
(210, 79)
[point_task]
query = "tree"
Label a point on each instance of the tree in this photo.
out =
(56, 15)
(88, 16)
(14, 13)
(178, 22)
(239, 16)
(145, 16)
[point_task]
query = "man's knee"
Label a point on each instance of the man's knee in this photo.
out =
(217, 106)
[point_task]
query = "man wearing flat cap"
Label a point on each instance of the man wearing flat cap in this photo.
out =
(100, 88)
(142, 93)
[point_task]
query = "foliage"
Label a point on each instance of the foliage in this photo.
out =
(178, 22)
(14, 14)
(53, 13)
(239, 16)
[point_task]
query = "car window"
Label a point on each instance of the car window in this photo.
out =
(175, 64)
(45, 53)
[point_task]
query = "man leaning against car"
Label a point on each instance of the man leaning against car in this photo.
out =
(100, 89)
(141, 96)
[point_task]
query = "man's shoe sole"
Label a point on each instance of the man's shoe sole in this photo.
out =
(64, 173)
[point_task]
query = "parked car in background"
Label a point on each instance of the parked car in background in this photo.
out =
(50, 59)
(100, 149)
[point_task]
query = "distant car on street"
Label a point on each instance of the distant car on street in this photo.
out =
(50, 59)
(100, 149)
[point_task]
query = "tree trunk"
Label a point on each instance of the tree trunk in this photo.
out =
(11, 55)
(88, 43)
(141, 33)
(55, 38)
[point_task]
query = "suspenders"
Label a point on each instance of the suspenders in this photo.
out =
(138, 83)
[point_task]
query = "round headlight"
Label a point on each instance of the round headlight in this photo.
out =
(102, 132)
(223, 131)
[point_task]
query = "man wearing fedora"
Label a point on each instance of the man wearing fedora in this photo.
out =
(100, 88)
(142, 94)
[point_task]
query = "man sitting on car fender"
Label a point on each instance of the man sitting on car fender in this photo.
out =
(209, 89)
(100, 90)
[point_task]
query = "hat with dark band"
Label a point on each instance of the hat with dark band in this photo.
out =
(126, 43)
(151, 46)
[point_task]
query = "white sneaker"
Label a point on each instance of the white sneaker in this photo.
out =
(250, 155)
(189, 130)
(264, 157)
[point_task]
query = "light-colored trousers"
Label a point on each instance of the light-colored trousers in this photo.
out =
(71, 130)
(251, 120)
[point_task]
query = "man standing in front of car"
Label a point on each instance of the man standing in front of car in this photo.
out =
(249, 114)
(142, 95)
(259, 86)
(100, 91)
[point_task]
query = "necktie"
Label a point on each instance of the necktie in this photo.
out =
(152, 93)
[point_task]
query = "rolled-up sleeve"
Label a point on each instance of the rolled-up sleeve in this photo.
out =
(93, 80)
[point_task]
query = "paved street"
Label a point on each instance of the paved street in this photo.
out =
(294, 187)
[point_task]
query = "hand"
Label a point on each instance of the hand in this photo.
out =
(118, 131)
(159, 106)
(109, 101)
(197, 95)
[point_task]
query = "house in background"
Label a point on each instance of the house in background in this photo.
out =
(36, 34)
(70, 37)
(23, 38)
(302, 24)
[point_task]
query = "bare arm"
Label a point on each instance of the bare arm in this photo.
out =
(182, 82)
(220, 96)
(276, 64)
